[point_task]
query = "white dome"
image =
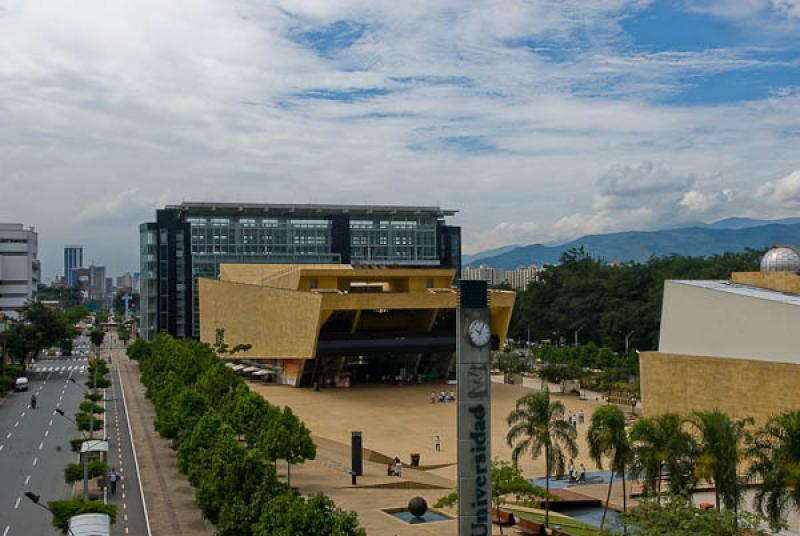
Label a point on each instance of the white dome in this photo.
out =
(781, 259)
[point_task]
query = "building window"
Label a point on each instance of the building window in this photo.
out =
(430, 283)
(314, 283)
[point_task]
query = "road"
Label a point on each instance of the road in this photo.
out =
(35, 448)
(131, 516)
(34, 445)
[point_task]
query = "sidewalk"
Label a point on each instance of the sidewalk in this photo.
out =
(169, 497)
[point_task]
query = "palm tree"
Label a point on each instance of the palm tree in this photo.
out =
(608, 438)
(720, 450)
(660, 443)
(775, 456)
(537, 425)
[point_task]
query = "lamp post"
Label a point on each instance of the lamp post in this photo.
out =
(628, 336)
(34, 498)
(576, 335)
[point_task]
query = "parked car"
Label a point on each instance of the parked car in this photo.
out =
(21, 384)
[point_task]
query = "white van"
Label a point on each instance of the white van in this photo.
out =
(21, 384)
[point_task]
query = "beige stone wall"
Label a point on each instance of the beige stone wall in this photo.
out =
(788, 282)
(278, 323)
(739, 387)
(701, 321)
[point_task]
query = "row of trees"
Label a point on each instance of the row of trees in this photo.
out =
(704, 446)
(606, 304)
(228, 440)
(40, 327)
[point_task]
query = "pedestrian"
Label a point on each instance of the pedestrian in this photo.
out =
(581, 416)
(433, 397)
(572, 475)
(438, 444)
(582, 476)
(398, 467)
(112, 478)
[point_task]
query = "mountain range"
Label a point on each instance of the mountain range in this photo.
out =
(702, 239)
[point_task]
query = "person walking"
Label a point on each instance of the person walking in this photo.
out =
(112, 479)
(581, 417)
(398, 467)
(438, 443)
(433, 397)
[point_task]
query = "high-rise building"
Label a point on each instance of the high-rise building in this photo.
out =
(20, 271)
(125, 281)
(81, 277)
(73, 258)
(191, 240)
(97, 283)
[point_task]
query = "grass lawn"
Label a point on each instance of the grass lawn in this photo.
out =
(576, 528)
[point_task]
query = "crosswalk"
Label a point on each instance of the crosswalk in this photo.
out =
(47, 367)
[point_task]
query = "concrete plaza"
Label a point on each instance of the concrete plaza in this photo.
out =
(396, 421)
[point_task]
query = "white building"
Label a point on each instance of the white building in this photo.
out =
(20, 271)
(518, 279)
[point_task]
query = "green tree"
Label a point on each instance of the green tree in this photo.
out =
(721, 447)
(97, 335)
(287, 438)
(288, 515)
(608, 438)
(775, 460)
(538, 425)
(660, 443)
(123, 333)
(63, 511)
(506, 480)
(39, 327)
(679, 517)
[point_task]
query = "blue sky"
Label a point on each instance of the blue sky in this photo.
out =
(539, 120)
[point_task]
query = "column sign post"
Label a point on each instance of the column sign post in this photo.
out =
(473, 348)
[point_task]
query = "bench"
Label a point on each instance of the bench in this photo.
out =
(529, 527)
(505, 519)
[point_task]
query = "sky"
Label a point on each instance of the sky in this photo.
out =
(538, 120)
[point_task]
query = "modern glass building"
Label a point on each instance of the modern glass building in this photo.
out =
(73, 258)
(191, 240)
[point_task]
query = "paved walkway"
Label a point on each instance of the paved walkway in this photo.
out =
(169, 497)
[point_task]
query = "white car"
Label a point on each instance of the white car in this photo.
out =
(21, 384)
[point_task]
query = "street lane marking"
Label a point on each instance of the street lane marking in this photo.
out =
(5, 532)
(27, 479)
(46, 433)
(41, 445)
(51, 423)
(16, 424)
(16, 504)
(2, 447)
(23, 414)
(9, 435)
(35, 460)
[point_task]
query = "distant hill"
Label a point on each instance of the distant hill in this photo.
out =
(744, 223)
(641, 245)
(469, 259)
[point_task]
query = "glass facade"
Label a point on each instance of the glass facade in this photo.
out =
(190, 241)
(401, 240)
(148, 284)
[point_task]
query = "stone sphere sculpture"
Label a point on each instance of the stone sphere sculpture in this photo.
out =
(418, 506)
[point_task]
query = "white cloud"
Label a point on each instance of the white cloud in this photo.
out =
(782, 193)
(110, 108)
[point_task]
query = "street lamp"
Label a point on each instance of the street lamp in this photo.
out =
(35, 499)
(576, 335)
(628, 336)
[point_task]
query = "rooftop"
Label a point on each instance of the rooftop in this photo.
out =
(744, 290)
(311, 210)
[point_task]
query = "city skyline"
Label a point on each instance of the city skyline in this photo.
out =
(540, 123)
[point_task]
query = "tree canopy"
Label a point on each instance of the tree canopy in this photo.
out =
(605, 302)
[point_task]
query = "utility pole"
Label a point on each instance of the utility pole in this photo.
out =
(576, 335)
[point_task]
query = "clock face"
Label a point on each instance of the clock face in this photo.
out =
(479, 333)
